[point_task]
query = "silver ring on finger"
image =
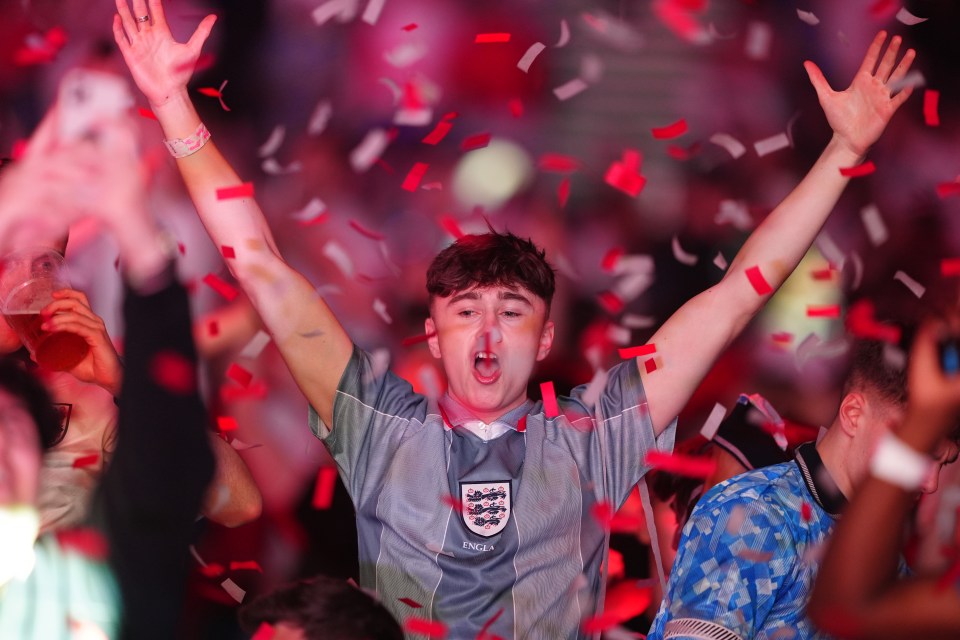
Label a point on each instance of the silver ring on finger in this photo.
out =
(142, 19)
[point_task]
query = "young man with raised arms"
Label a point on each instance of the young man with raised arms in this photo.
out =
(522, 557)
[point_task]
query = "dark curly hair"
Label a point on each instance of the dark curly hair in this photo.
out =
(19, 382)
(870, 370)
(488, 260)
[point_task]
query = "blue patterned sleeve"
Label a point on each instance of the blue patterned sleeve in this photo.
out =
(734, 553)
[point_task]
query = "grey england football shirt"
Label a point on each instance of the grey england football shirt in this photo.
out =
(495, 535)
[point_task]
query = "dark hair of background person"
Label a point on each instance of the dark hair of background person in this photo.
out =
(870, 370)
(488, 260)
(323, 608)
(19, 382)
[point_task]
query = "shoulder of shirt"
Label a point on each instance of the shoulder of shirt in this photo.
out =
(763, 485)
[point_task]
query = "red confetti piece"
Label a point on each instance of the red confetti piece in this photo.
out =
(600, 622)
(619, 177)
(563, 192)
(86, 461)
(439, 132)
(264, 632)
(931, 102)
(182, 248)
(482, 635)
(227, 252)
(949, 577)
(476, 141)
(409, 27)
(362, 230)
(412, 181)
(823, 274)
(412, 340)
(602, 512)
(673, 130)
(323, 489)
(611, 258)
(636, 352)
(650, 365)
(516, 107)
(85, 541)
(558, 163)
(146, 113)
(550, 408)
(950, 267)
(782, 337)
(947, 189)
(860, 322)
(425, 627)
(173, 372)
(226, 423)
(681, 465)
(18, 149)
(683, 153)
(239, 375)
(806, 511)
(610, 302)
(410, 603)
(859, 171)
(823, 311)
(883, 8)
(490, 38)
(244, 190)
(248, 565)
(449, 500)
(449, 224)
(757, 281)
(522, 424)
(212, 570)
(215, 93)
(216, 283)
(213, 328)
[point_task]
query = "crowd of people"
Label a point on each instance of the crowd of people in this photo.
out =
(477, 481)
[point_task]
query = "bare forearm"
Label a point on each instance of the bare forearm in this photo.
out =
(233, 498)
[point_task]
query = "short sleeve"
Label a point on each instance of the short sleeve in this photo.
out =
(732, 557)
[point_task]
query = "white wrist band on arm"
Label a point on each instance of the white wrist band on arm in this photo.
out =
(899, 464)
(183, 147)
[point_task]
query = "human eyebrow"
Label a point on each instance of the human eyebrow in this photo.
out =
(513, 295)
(466, 295)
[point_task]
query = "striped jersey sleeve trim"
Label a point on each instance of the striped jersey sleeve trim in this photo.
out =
(698, 629)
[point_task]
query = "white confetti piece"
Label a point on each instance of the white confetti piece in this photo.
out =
(709, 428)
(759, 36)
(682, 256)
(342, 10)
(372, 13)
(531, 54)
(833, 254)
(381, 310)
(734, 212)
(738, 515)
(915, 287)
(233, 589)
(369, 150)
(857, 271)
(636, 263)
(629, 287)
(387, 260)
(570, 89)
(729, 143)
(405, 54)
(394, 89)
(873, 223)
(419, 117)
(808, 17)
(256, 345)
(319, 118)
(634, 321)
(273, 142)
(564, 266)
(429, 382)
(894, 357)
(912, 80)
(314, 209)
(271, 167)
(379, 364)
(908, 18)
(240, 445)
(771, 144)
(720, 262)
(196, 556)
(596, 385)
(564, 34)
(336, 254)
(814, 347)
(618, 335)
(591, 68)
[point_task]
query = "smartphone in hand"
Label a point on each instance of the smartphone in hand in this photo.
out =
(87, 100)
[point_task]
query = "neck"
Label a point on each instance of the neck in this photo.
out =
(486, 415)
(835, 451)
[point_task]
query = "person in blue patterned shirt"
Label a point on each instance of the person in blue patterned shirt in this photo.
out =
(750, 552)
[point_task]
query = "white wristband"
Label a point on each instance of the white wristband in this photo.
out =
(183, 147)
(899, 464)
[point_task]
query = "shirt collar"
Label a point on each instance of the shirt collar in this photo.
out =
(456, 415)
(820, 483)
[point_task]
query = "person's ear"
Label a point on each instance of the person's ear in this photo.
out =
(852, 409)
(432, 340)
(546, 340)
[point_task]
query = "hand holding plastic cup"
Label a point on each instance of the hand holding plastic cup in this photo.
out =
(27, 283)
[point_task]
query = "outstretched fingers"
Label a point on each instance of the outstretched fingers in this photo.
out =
(901, 71)
(156, 12)
(126, 19)
(873, 54)
(817, 79)
(888, 59)
(201, 34)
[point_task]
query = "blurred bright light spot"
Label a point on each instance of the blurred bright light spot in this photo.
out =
(489, 177)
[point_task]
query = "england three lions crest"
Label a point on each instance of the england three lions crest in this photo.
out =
(486, 506)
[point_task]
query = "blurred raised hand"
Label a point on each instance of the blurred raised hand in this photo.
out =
(859, 114)
(160, 65)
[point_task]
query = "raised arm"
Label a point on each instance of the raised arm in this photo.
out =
(311, 340)
(695, 335)
(857, 593)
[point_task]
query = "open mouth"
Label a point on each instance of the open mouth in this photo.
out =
(486, 366)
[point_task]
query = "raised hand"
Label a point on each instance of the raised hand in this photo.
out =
(70, 311)
(859, 114)
(932, 395)
(160, 65)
